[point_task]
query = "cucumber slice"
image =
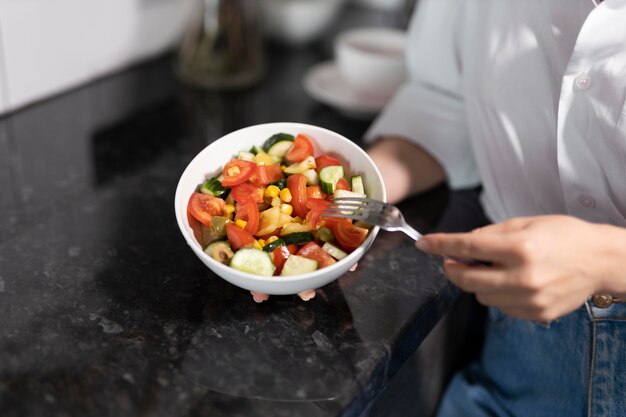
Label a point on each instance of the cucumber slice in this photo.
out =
(295, 265)
(253, 261)
(346, 193)
(280, 149)
(273, 245)
(276, 139)
(329, 176)
(213, 187)
(298, 238)
(357, 184)
(256, 150)
(334, 251)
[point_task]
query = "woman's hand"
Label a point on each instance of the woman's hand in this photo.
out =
(543, 267)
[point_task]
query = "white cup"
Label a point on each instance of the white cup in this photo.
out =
(372, 60)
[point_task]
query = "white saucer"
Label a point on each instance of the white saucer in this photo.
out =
(325, 84)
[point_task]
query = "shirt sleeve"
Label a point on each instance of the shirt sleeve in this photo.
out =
(429, 109)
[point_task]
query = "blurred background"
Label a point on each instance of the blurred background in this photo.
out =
(50, 46)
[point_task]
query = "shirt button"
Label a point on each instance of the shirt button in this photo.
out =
(582, 82)
(586, 201)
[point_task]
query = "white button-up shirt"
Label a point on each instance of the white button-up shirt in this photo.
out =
(526, 97)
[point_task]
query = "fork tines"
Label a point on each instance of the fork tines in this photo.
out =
(355, 208)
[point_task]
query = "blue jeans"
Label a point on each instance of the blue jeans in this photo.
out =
(573, 367)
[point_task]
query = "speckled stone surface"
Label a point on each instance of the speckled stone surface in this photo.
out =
(104, 310)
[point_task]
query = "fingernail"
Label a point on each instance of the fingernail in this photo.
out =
(423, 245)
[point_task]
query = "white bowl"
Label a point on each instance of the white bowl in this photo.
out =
(210, 160)
(372, 59)
(298, 22)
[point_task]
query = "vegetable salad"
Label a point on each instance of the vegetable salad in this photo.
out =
(262, 215)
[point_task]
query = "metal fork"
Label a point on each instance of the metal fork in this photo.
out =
(385, 215)
(376, 212)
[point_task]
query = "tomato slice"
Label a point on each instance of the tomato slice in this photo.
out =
(249, 212)
(279, 256)
(265, 174)
(301, 149)
(315, 191)
(316, 206)
(196, 227)
(238, 237)
(246, 191)
(342, 184)
(297, 187)
(314, 251)
(203, 207)
(325, 161)
(348, 236)
(237, 171)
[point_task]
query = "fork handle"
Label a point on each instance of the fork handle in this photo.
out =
(414, 234)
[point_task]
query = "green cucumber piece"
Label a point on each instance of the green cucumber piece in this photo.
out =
(357, 184)
(329, 176)
(334, 251)
(298, 238)
(213, 187)
(273, 245)
(275, 139)
(296, 265)
(253, 261)
(280, 149)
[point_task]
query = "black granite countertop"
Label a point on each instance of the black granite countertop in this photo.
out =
(104, 310)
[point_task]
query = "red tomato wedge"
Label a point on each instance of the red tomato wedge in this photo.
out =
(348, 236)
(342, 184)
(316, 206)
(246, 191)
(325, 161)
(297, 187)
(280, 255)
(238, 237)
(265, 174)
(315, 191)
(249, 212)
(314, 251)
(237, 171)
(203, 207)
(301, 149)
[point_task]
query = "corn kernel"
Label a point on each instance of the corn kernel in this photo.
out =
(297, 219)
(271, 239)
(285, 195)
(272, 191)
(286, 209)
(283, 167)
(229, 209)
(241, 223)
(256, 245)
(261, 242)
